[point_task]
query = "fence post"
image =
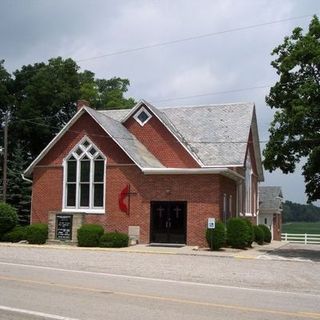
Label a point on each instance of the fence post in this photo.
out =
(286, 237)
(305, 238)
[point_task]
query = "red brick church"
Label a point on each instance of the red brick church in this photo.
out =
(157, 174)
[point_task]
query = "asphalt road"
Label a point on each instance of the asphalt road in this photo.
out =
(73, 284)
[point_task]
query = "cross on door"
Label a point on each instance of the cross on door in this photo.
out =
(177, 211)
(160, 210)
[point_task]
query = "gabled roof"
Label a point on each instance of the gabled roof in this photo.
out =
(270, 198)
(215, 135)
(135, 150)
(167, 123)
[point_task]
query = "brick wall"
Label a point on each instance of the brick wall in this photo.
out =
(202, 192)
(160, 142)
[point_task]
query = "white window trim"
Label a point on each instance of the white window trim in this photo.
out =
(248, 187)
(90, 209)
(136, 115)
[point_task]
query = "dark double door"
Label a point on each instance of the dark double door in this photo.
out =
(168, 222)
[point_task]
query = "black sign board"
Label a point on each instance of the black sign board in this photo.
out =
(64, 226)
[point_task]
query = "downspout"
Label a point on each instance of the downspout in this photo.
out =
(25, 179)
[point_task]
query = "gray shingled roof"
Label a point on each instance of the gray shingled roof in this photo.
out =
(116, 114)
(127, 141)
(217, 135)
(270, 198)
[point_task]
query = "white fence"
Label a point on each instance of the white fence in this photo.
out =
(306, 238)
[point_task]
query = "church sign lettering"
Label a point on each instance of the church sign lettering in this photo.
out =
(64, 227)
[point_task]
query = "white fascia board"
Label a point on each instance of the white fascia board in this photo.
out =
(225, 166)
(223, 171)
(147, 104)
(28, 171)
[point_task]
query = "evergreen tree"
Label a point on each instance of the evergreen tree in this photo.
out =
(18, 189)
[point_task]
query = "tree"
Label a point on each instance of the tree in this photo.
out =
(293, 212)
(19, 190)
(295, 129)
(46, 95)
(40, 99)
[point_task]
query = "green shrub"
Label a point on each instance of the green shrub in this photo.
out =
(37, 233)
(267, 233)
(250, 233)
(237, 233)
(17, 234)
(89, 235)
(114, 240)
(216, 237)
(258, 235)
(8, 218)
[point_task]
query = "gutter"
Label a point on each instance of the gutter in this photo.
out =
(223, 171)
(26, 179)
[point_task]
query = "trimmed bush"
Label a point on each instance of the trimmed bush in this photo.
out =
(267, 233)
(89, 235)
(237, 233)
(37, 233)
(15, 235)
(114, 240)
(258, 235)
(8, 218)
(250, 233)
(216, 237)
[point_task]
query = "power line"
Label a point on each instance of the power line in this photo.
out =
(213, 93)
(199, 142)
(176, 98)
(196, 37)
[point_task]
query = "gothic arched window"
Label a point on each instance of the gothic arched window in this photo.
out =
(84, 178)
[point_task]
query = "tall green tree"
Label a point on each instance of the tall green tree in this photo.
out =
(295, 129)
(19, 190)
(40, 99)
(6, 99)
(46, 95)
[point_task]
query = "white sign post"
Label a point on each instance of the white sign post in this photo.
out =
(211, 225)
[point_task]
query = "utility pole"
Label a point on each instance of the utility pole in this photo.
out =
(5, 158)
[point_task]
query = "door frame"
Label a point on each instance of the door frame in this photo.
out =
(166, 202)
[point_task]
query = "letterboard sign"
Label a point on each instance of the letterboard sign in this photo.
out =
(64, 226)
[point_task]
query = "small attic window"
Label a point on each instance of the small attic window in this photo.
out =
(142, 116)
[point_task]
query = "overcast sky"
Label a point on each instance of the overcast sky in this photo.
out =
(214, 68)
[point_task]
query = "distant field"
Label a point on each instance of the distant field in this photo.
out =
(301, 227)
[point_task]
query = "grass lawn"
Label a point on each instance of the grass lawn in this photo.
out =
(301, 227)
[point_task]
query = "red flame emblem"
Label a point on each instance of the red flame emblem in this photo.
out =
(123, 194)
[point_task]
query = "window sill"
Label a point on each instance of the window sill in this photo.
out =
(84, 210)
(248, 214)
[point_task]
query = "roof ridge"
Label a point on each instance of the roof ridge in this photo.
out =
(207, 105)
(184, 106)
